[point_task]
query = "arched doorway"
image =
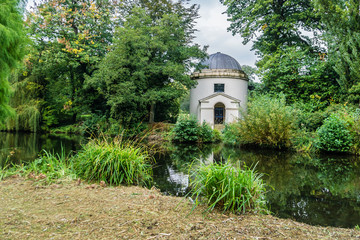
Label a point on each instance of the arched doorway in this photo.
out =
(219, 113)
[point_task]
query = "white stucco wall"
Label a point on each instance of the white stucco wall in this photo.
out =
(234, 87)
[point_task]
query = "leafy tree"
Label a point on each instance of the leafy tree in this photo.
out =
(148, 64)
(290, 61)
(272, 23)
(342, 20)
(70, 37)
(11, 50)
(251, 72)
(300, 75)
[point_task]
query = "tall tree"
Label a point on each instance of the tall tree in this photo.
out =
(148, 65)
(342, 20)
(286, 36)
(272, 24)
(11, 49)
(300, 75)
(70, 38)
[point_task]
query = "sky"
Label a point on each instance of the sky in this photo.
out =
(212, 26)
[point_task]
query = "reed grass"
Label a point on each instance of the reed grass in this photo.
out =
(115, 162)
(228, 188)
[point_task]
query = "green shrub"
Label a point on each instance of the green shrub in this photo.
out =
(269, 123)
(206, 133)
(230, 134)
(94, 124)
(116, 162)
(228, 188)
(187, 129)
(334, 135)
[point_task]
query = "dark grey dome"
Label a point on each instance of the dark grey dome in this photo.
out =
(221, 61)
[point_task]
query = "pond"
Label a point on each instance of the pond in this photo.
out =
(322, 190)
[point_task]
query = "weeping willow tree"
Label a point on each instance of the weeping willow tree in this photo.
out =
(26, 102)
(11, 50)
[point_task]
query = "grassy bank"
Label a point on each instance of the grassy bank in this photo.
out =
(74, 210)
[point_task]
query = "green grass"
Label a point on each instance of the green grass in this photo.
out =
(228, 188)
(116, 162)
(49, 165)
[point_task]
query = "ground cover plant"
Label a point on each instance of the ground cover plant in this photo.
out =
(228, 188)
(115, 162)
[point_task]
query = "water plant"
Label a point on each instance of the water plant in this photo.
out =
(115, 162)
(229, 188)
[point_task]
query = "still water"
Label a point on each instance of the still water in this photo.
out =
(321, 190)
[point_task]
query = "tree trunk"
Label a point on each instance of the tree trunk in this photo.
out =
(152, 113)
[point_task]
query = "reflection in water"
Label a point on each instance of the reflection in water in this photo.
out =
(24, 147)
(320, 191)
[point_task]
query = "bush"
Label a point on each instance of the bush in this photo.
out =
(231, 134)
(269, 123)
(187, 129)
(228, 188)
(115, 162)
(334, 135)
(206, 133)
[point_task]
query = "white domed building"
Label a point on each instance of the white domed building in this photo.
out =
(221, 91)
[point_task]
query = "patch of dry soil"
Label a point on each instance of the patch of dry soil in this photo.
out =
(73, 210)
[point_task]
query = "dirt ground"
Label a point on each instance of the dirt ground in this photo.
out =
(74, 210)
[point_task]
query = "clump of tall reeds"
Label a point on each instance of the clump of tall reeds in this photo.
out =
(229, 188)
(115, 162)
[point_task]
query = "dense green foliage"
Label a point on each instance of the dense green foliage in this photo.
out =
(187, 129)
(272, 24)
(69, 40)
(228, 188)
(268, 123)
(291, 60)
(342, 21)
(152, 50)
(12, 39)
(147, 66)
(116, 162)
(334, 135)
(300, 75)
